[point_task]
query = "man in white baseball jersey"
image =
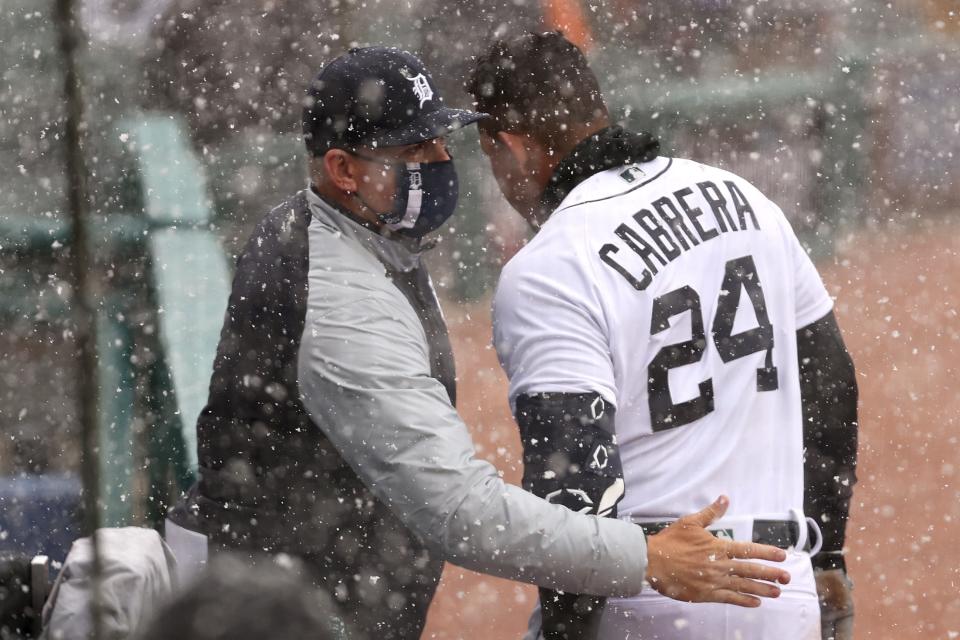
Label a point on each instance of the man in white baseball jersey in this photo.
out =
(664, 320)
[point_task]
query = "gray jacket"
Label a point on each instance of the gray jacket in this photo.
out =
(364, 373)
(331, 432)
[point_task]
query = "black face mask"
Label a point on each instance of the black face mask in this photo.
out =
(425, 198)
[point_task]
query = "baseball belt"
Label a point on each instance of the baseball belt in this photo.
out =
(776, 533)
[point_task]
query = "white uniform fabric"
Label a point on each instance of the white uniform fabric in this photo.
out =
(138, 574)
(794, 615)
(607, 298)
(190, 548)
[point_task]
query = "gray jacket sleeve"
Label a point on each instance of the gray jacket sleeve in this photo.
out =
(364, 378)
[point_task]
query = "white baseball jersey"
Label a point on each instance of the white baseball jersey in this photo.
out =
(675, 290)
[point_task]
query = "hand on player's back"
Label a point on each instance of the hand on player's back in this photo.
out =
(687, 562)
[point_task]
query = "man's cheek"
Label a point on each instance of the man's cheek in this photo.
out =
(503, 181)
(384, 183)
(511, 172)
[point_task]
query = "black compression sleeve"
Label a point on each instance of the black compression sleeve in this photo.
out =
(570, 457)
(828, 388)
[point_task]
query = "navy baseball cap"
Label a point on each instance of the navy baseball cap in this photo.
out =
(378, 97)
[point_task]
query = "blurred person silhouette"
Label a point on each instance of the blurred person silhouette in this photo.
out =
(244, 598)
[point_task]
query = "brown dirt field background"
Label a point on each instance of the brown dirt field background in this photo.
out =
(898, 299)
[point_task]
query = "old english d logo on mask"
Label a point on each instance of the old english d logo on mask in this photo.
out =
(416, 179)
(426, 197)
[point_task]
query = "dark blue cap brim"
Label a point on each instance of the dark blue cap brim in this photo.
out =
(431, 125)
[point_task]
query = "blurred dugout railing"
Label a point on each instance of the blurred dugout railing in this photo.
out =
(162, 289)
(800, 139)
(853, 145)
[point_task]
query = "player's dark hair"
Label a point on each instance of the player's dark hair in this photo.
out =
(539, 84)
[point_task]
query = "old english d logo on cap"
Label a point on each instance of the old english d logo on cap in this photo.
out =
(421, 88)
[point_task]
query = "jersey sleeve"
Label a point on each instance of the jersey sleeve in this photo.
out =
(812, 301)
(550, 338)
(548, 327)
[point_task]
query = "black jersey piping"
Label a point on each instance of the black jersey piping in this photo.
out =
(622, 193)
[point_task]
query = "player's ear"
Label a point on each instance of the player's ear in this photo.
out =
(340, 169)
(517, 145)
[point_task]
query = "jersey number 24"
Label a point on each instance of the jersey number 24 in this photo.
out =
(740, 275)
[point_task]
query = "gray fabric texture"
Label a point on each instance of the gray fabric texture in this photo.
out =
(137, 577)
(365, 379)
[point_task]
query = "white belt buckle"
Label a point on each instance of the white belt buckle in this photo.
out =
(804, 526)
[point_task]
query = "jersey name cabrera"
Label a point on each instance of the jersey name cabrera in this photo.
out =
(675, 290)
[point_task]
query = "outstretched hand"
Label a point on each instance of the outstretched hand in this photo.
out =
(687, 562)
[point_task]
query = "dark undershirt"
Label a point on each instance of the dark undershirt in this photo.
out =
(828, 390)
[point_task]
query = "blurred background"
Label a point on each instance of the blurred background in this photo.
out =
(845, 112)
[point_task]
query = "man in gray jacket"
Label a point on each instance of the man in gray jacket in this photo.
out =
(330, 431)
